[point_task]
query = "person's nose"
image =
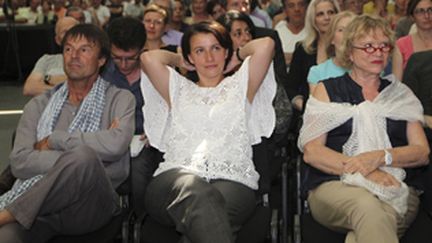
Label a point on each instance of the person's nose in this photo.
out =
(123, 63)
(245, 38)
(74, 53)
(209, 56)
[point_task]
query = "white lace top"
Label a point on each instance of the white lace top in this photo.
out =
(209, 131)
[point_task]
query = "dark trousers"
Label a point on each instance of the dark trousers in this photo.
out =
(204, 212)
(142, 168)
(74, 197)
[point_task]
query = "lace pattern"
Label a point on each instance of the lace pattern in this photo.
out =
(368, 133)
(209, 131)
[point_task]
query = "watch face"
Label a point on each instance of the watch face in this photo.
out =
(388, 157)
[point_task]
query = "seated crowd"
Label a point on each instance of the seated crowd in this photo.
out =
(173, 95)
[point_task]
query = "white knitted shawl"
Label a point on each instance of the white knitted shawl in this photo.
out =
(396, 102)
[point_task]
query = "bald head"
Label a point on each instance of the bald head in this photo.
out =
(62, 26)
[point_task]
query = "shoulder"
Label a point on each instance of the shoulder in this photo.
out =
(421, 57)
(281, 26)
(337, 85)
(336, 81)
(115, 93)
(48, 57)
(38, 103)
(320, 93)
(324, 65)
(403, 41)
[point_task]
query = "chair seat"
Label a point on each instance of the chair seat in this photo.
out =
(106, 234)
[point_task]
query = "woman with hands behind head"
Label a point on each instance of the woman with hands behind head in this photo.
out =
(361, 137)
(205, 185)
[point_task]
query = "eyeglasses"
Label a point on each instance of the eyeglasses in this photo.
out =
(131, 59)
(369, 48)
(156, 22)
(423, 11)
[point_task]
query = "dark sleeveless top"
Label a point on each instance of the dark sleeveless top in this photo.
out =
(344, 89)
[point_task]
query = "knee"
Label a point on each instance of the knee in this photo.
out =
(198, 190)
(371, 212)
(12, 233)
(80, 157)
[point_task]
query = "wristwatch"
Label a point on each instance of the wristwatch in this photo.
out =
(388, 158)
(47, 79)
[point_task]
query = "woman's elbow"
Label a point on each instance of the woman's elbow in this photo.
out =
(269, 44)
(308, 154)
(145, 58)
(28, 89)
(424, 155)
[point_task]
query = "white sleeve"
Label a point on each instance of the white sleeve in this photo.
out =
(157, 114)
(261, 114)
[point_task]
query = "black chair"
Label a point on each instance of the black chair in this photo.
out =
(263, 225)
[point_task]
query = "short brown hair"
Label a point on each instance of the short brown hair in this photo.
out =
(207, 27)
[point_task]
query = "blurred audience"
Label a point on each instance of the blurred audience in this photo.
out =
(199, 13)
(421, 40)
(291, 30)
(215, 9)
(48, 70)
(311, 51)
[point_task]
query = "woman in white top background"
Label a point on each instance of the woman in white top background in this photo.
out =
(205, 185)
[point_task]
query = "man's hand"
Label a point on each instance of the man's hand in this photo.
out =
(364, 163)
(115, 124)
(383, 178)
(145, 140)
(42, 144)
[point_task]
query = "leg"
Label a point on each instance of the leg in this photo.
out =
(13, 233)
(74, 197)
(142, 169)
(413, 205)
(348, 208)
(240, 202)
(194, 206)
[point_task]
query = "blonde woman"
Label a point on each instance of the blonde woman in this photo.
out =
(155, 21)
(332, 67)
(362, 148)
(311, 51)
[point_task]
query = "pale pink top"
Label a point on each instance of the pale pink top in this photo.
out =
(406, 47)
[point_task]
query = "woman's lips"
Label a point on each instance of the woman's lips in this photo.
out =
(378, 62)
